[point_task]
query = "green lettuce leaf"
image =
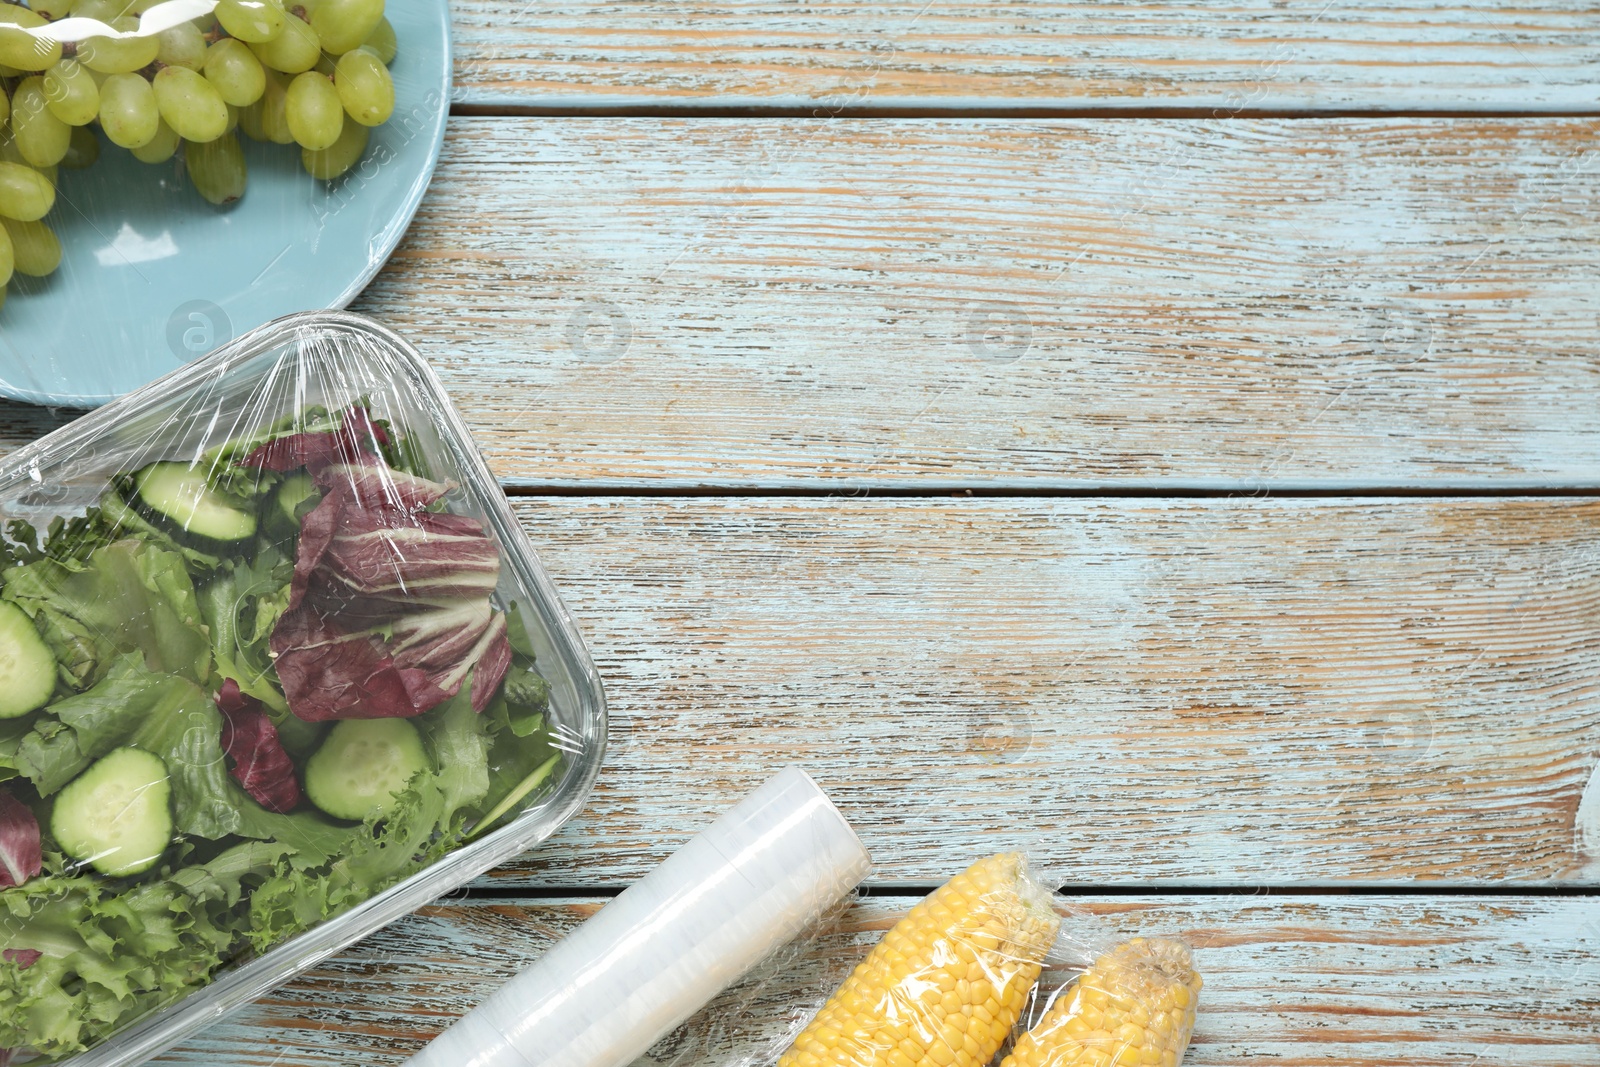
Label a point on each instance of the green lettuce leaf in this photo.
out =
(159, 713)
(527, 697)
(124, 596)
(109, 957)
(460, 742)
(83, 727)
(379, 854)
(311, 841)
(12, 731)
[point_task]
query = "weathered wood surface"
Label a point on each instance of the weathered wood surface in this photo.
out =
(1142, 692)
(1063, 304)
(22, 423)
(1291, 981)
(1252, 54)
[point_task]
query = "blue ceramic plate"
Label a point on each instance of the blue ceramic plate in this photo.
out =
(152, 276)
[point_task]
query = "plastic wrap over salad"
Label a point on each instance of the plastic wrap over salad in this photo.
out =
(247, 689)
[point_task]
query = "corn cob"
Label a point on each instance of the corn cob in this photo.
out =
(1133, 1008)
(945, 986)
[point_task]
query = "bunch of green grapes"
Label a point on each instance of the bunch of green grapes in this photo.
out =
(315, 74)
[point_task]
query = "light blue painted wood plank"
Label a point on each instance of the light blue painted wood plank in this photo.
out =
(1339, 981)
(1302, 55)
(1237, 306)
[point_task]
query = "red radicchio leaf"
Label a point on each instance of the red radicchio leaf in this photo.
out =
(389, 605)
(260, 764)
(492, 667)
(21, 852)
(22, 957)
(330, 673)
(355, 440)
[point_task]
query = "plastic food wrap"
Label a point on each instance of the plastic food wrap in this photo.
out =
(1133, 1007)
(175, 173)
(761, 874)
(989, 968)
(277, 666)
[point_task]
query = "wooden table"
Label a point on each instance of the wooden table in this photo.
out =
(1163, 436)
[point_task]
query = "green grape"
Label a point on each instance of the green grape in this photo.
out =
(274, 111)
(252, 20)
(365, 88)
(51, 9)
(182, 45)
(250, 122)
(233, 119)
(8, 261)
(25, 194)
(331, 162)
(128, 110)
(217, 169)
(40, 136)
(71, 92)
(344, 24)
(5, 107)
(293, 51)
(118, 55)
(84, 149)
(313, 111)
(35, 250)
(383, 42)
(161, 148)
(190, 105)
(9, 153)
(100, 10)
(235, 72)
(20, 50)
(326, 65)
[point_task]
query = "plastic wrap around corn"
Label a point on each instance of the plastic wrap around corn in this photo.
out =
(1134, 1008)
(946, 985)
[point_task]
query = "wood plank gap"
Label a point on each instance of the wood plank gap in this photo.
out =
(1438, 490)
(1000, 112)
(920, 889)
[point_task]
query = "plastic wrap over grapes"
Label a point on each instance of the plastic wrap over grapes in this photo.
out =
(189, 77)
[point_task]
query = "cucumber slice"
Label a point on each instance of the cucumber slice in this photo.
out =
(117, 815)
(27, 667)
(362, 765)
(295, 497)
(180, 496)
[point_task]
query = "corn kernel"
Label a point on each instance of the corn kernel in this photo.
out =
(945, 986)
(1133, 1008)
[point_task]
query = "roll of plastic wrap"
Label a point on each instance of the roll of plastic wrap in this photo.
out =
(755, 878)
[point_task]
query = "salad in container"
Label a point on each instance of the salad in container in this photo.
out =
(277, 666)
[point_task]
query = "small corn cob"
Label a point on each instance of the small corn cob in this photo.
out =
(1133, 1008)
(945, 986)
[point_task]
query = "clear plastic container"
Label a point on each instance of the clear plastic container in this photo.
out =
(332, 361)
